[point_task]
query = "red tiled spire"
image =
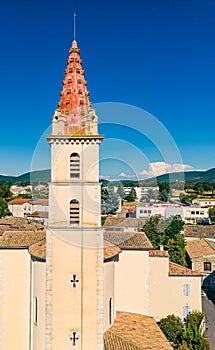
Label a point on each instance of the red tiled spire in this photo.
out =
(74, 98)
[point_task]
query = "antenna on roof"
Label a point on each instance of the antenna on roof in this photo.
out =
(75, 26)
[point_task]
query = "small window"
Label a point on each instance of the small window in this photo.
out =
(145, 211)
(201, 213)
(74, 212)
(192, 212)
(186, 289)
(35, 310)
(141, 211)
(197, 212)
(74, 165)
(149, 211)
(207, 266)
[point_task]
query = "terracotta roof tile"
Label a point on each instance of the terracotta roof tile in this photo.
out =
(110, 250)
(19, 201)
(20, 239)
(201, 231)
(39, 214)
(199, 247)
(135, 332)
(124, 222)
(38, 250)
(12, 223)
(161, 253)
(128, 240)
(40, 201)
(178, 270)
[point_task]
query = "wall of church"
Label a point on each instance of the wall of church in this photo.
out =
(73, 291)
(38, 305)
(132, 282)
(88, 197)
(15, 299)
(89, 155)
(109, 294)
(168, 294)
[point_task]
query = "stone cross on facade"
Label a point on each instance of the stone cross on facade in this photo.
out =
(74, 338)
(74, 280)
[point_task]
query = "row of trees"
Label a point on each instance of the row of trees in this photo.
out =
(186, 336)
(167, 233)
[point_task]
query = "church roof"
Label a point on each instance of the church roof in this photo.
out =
(20, 239)
(135, 332)
(110, 250)
(128, 240)
(38, 250)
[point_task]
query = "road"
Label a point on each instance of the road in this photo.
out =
(208, 307)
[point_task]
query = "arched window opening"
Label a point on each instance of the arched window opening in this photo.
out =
(110, 311)
(74, 165)
(74, 212)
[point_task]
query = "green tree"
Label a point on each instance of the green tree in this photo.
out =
(176, 249)
(173, 328)
(174, 226)
(211, 213)
(153, 231)
(164, 196)
(120, 190)
(4, 211)
(5, 190)
(129, 198)
(109, 200)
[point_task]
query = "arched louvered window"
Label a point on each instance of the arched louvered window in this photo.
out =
(74, 214)
(74, 165)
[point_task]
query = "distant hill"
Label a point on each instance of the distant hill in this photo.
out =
(37, 176)
(190, 176)
(40, 176)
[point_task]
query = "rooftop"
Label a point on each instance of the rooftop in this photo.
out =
(161, 253)
(14, 239)
(178, 270)
(124, 222)
(110, 250)
(128, 240)
(12, 223)
(198, 248)
(135, 332)
(201, 231)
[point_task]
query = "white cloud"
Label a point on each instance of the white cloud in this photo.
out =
(128, 176)
(160, 168)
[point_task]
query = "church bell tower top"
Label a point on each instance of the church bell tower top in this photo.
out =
(74, 116)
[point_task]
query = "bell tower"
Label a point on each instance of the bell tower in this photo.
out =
(74, 256)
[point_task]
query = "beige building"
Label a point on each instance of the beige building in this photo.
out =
(151, 271)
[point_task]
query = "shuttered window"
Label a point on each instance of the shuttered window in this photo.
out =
(74, 166)
(186, 289)
(186, 311)
(74, 212)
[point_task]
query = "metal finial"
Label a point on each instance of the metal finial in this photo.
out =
(74, 26)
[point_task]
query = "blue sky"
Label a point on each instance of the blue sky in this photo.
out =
(157, 55)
